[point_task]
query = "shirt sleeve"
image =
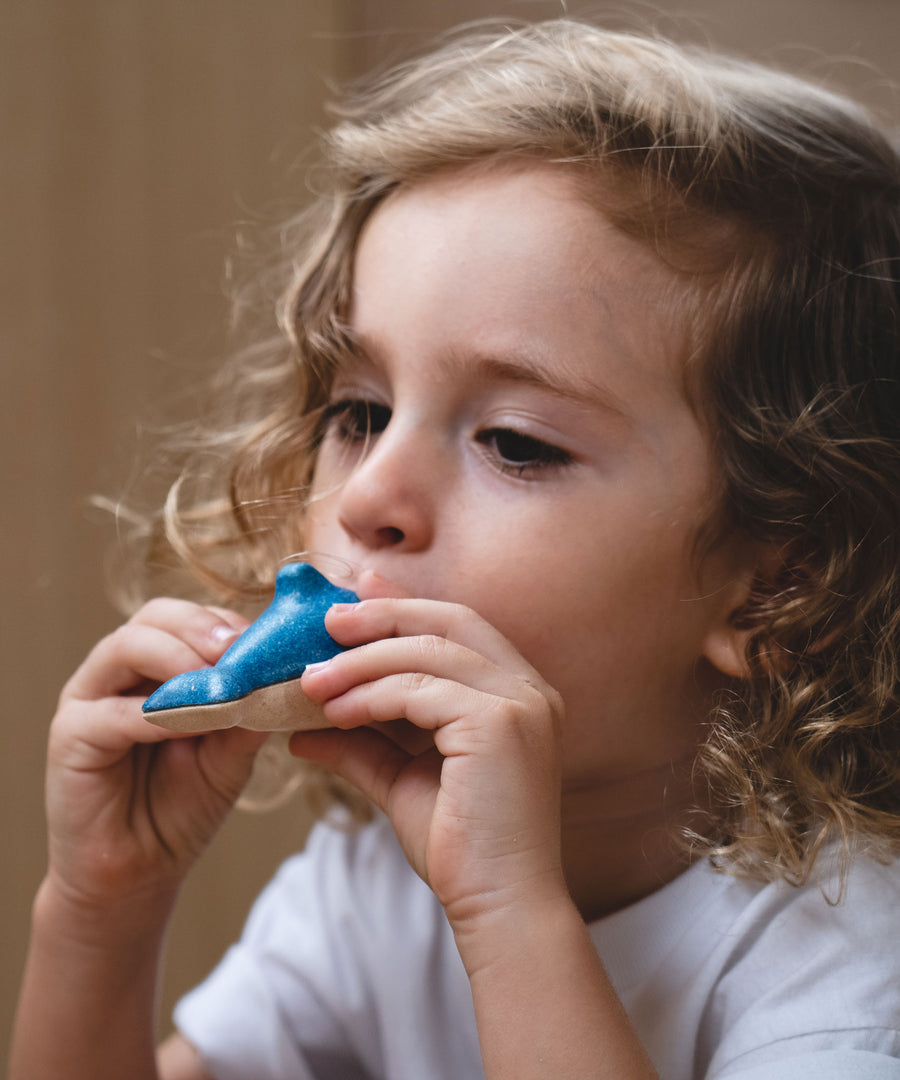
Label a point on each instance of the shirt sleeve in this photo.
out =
(822, 1065)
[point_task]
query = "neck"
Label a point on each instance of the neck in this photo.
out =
(621, 841)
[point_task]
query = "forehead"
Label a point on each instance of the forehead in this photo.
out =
(509, 208)
(513, 259)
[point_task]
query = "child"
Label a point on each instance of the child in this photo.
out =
(591, 375)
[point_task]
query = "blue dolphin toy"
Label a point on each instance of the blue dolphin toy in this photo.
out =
(255, 683)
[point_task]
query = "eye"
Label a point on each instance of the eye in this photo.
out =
(519, 453)
(355, 419)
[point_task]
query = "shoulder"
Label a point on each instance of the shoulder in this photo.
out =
(854, 919)
(807, 969)
(744, 918)
(719, 973)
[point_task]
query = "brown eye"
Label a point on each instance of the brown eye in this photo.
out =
(518, 452)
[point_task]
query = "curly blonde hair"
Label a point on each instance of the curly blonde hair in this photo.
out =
(777, 205)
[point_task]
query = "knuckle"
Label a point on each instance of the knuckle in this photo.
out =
(117, 642)
(413, 682)
(518, 724)
(555, 703)
(220, 615)
(515, 715)
(456, 615)
(431, 647)
(165, 612)
(152, 611)
(543, 705)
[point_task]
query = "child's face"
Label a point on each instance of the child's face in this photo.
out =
(532, 454)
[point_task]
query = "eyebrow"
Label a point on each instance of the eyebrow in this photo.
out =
(514, 366)
(523, 368)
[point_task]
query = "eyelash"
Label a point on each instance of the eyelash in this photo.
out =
(354, 420)
(520, 454)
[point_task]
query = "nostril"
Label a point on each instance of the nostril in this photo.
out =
(390, 536)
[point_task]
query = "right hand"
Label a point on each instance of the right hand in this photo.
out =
(131, 806)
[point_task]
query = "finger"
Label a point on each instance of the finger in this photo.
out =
(374, 619)
(229, 617)
(226, 758)
(128, 658)
(372, 763)
(423, 700)
(414, 658)
(208, 630)
(458, 717)
(90, 734)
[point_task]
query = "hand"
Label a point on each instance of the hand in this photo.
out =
(130, 806)
(476, 808)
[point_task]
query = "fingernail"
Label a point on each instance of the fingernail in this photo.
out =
(223, 632)
(342, 607)
(316, 667)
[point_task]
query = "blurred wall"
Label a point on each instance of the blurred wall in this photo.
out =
(854, 43)
(135, 134)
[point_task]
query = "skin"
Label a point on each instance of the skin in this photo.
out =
(511, 465)
(473, 342)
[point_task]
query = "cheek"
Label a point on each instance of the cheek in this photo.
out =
(320, 514)
(335, 462)
(603, 613)
(331, 465)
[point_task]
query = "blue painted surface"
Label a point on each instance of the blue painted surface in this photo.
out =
(277, 647)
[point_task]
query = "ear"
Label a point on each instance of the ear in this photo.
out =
(725, 647)
(726, 640)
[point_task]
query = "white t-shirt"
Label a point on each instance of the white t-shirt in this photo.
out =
(347, 970)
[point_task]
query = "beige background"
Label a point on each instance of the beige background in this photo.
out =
(135, 134)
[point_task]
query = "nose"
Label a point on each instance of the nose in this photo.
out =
(388, 500)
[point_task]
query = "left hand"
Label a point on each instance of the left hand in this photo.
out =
(477, 811)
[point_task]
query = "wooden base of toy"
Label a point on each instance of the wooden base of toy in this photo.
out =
(279, 707)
